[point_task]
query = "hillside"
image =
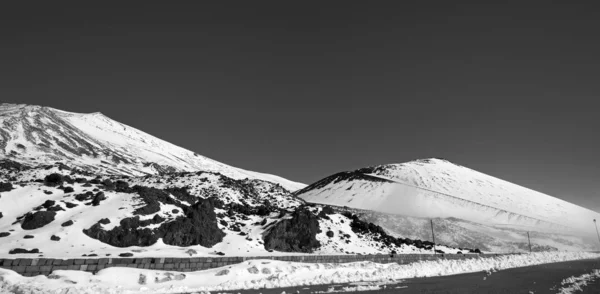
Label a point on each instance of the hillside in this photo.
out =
(436, 188)
(84, 185)
(37, 135)
(58, 211)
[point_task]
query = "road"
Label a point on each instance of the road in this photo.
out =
(537, 279)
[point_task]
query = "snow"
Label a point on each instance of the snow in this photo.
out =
(575, 284)
(256, 274)
(435, 188)
(74, 136)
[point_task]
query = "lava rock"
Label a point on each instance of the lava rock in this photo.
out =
(199, 227)
(55, 238)
(67, 223)
(98, 198)
(5, 187)
(37, 220)
(1, 215)
(127, 254)
(329, 234)
(22, 251)
(121, 186)
(69, 189)
(28, 237)
(55, 208)
(84, 196)
(48, 203)
(108, 185)
(104, 221)
(4, 234)
(325, 212)
(53, 180)
(70, 205)
(297, 234)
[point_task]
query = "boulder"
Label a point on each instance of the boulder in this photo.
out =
(37, 220)
(53, 180)
(297, 234)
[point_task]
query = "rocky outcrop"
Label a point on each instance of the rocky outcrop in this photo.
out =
(297, 234)
(37, 219)
(199, 227)
(5, 187)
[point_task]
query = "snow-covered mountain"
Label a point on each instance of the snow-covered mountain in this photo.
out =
(36, 135)
(437, 188)
(58, 211)
(84, 185)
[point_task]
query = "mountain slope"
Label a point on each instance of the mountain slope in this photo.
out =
(41, 135)
(436, 188)
(57, 211)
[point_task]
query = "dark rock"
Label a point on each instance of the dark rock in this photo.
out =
(1, 215)
(104, 221)
(53, 180)
(70, 205)
(28, 237)
(48, 203)
(55, 208)
(220, 253)
(223, 223)
(47, 192)
(87, 185)
(4, 234)
(69, 189)
(21, 251)
(297, 234)
(108, 185)
(67, 223)
(37, 220)
(5, 187)
(175, 211)
(121, 186)
(327, 210)
(98, 198)
(92, 255)
(84, 196)
(329, 234)
(128, 254)
(199, 227)
(55, 238)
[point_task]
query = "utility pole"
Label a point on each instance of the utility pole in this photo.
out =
(528, 239)
(595, 225)
(433, 235)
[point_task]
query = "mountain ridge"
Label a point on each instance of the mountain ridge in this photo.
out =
(41, 135)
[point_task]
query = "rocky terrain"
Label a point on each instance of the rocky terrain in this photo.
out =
(58, 211)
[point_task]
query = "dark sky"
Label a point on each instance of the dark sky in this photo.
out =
(307, 89)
